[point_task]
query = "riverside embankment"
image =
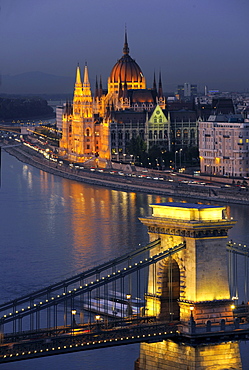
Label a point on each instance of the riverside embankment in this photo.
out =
(127, 183)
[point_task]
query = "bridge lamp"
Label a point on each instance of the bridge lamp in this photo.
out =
(73, 315)
(191, 312)
(232, 306)
(98, 319)
(129, 307)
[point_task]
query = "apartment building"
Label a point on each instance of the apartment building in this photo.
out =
(224, 145)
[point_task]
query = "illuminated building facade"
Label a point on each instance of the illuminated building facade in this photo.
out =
(224, 146)
(125, 75)
(184, 128)
(102, 125)
(85, 136)
(153, 127)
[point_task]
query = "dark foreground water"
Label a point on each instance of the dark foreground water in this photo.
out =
(52, 228)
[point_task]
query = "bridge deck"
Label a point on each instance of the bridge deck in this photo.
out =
(84, 337)
(107, 334)
(47, 309)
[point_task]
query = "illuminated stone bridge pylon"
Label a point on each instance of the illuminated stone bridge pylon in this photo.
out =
(191, 286)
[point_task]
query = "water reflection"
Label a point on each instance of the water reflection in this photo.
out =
(28, 176)
(52, 227)
(100, 220)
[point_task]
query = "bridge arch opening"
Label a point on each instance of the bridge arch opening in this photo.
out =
(169, 274)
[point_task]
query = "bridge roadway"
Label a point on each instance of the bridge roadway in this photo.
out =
(29, 345)
(83, 338)
(12, 128)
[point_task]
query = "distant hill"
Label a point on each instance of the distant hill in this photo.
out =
(36, 83)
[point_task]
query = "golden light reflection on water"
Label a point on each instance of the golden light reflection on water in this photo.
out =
(27, 175)
(104, 209)
(92, 210)
(102, 223)
(47, 182)
(169, 355)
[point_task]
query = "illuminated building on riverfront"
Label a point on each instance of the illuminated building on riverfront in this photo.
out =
(84, 136)
(100, 126)
(223, 145)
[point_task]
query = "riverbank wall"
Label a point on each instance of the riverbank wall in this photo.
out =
(132, 184)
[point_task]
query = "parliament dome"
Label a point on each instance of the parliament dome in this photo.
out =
(126, 70)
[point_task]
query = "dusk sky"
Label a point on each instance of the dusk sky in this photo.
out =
(204, 42)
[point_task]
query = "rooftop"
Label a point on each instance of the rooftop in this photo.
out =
(185, 205)
(188, 211)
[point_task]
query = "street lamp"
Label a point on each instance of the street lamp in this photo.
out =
(175, 158)
(157, 164)
(180, 152)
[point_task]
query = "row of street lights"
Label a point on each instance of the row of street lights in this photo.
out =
(131, 159)
(180, 156)
(98, 318)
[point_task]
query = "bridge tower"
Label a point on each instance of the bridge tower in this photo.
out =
(191, 286)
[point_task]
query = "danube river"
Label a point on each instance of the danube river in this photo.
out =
(52, 228)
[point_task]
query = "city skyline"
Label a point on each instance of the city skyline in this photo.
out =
(188, 41)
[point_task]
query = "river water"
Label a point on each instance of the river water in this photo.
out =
(52, 228)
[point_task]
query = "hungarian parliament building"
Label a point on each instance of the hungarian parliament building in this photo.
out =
(100, 125)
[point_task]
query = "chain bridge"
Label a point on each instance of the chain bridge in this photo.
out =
(155, 293)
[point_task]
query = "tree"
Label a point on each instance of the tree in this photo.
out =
(24, 108)
(137, 147)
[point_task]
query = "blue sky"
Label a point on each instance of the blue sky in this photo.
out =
(196, 41)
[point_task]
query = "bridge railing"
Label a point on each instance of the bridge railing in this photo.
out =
(102, 291)
(90, 273)
(97, 338)
(238, 248)
(238, 271)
